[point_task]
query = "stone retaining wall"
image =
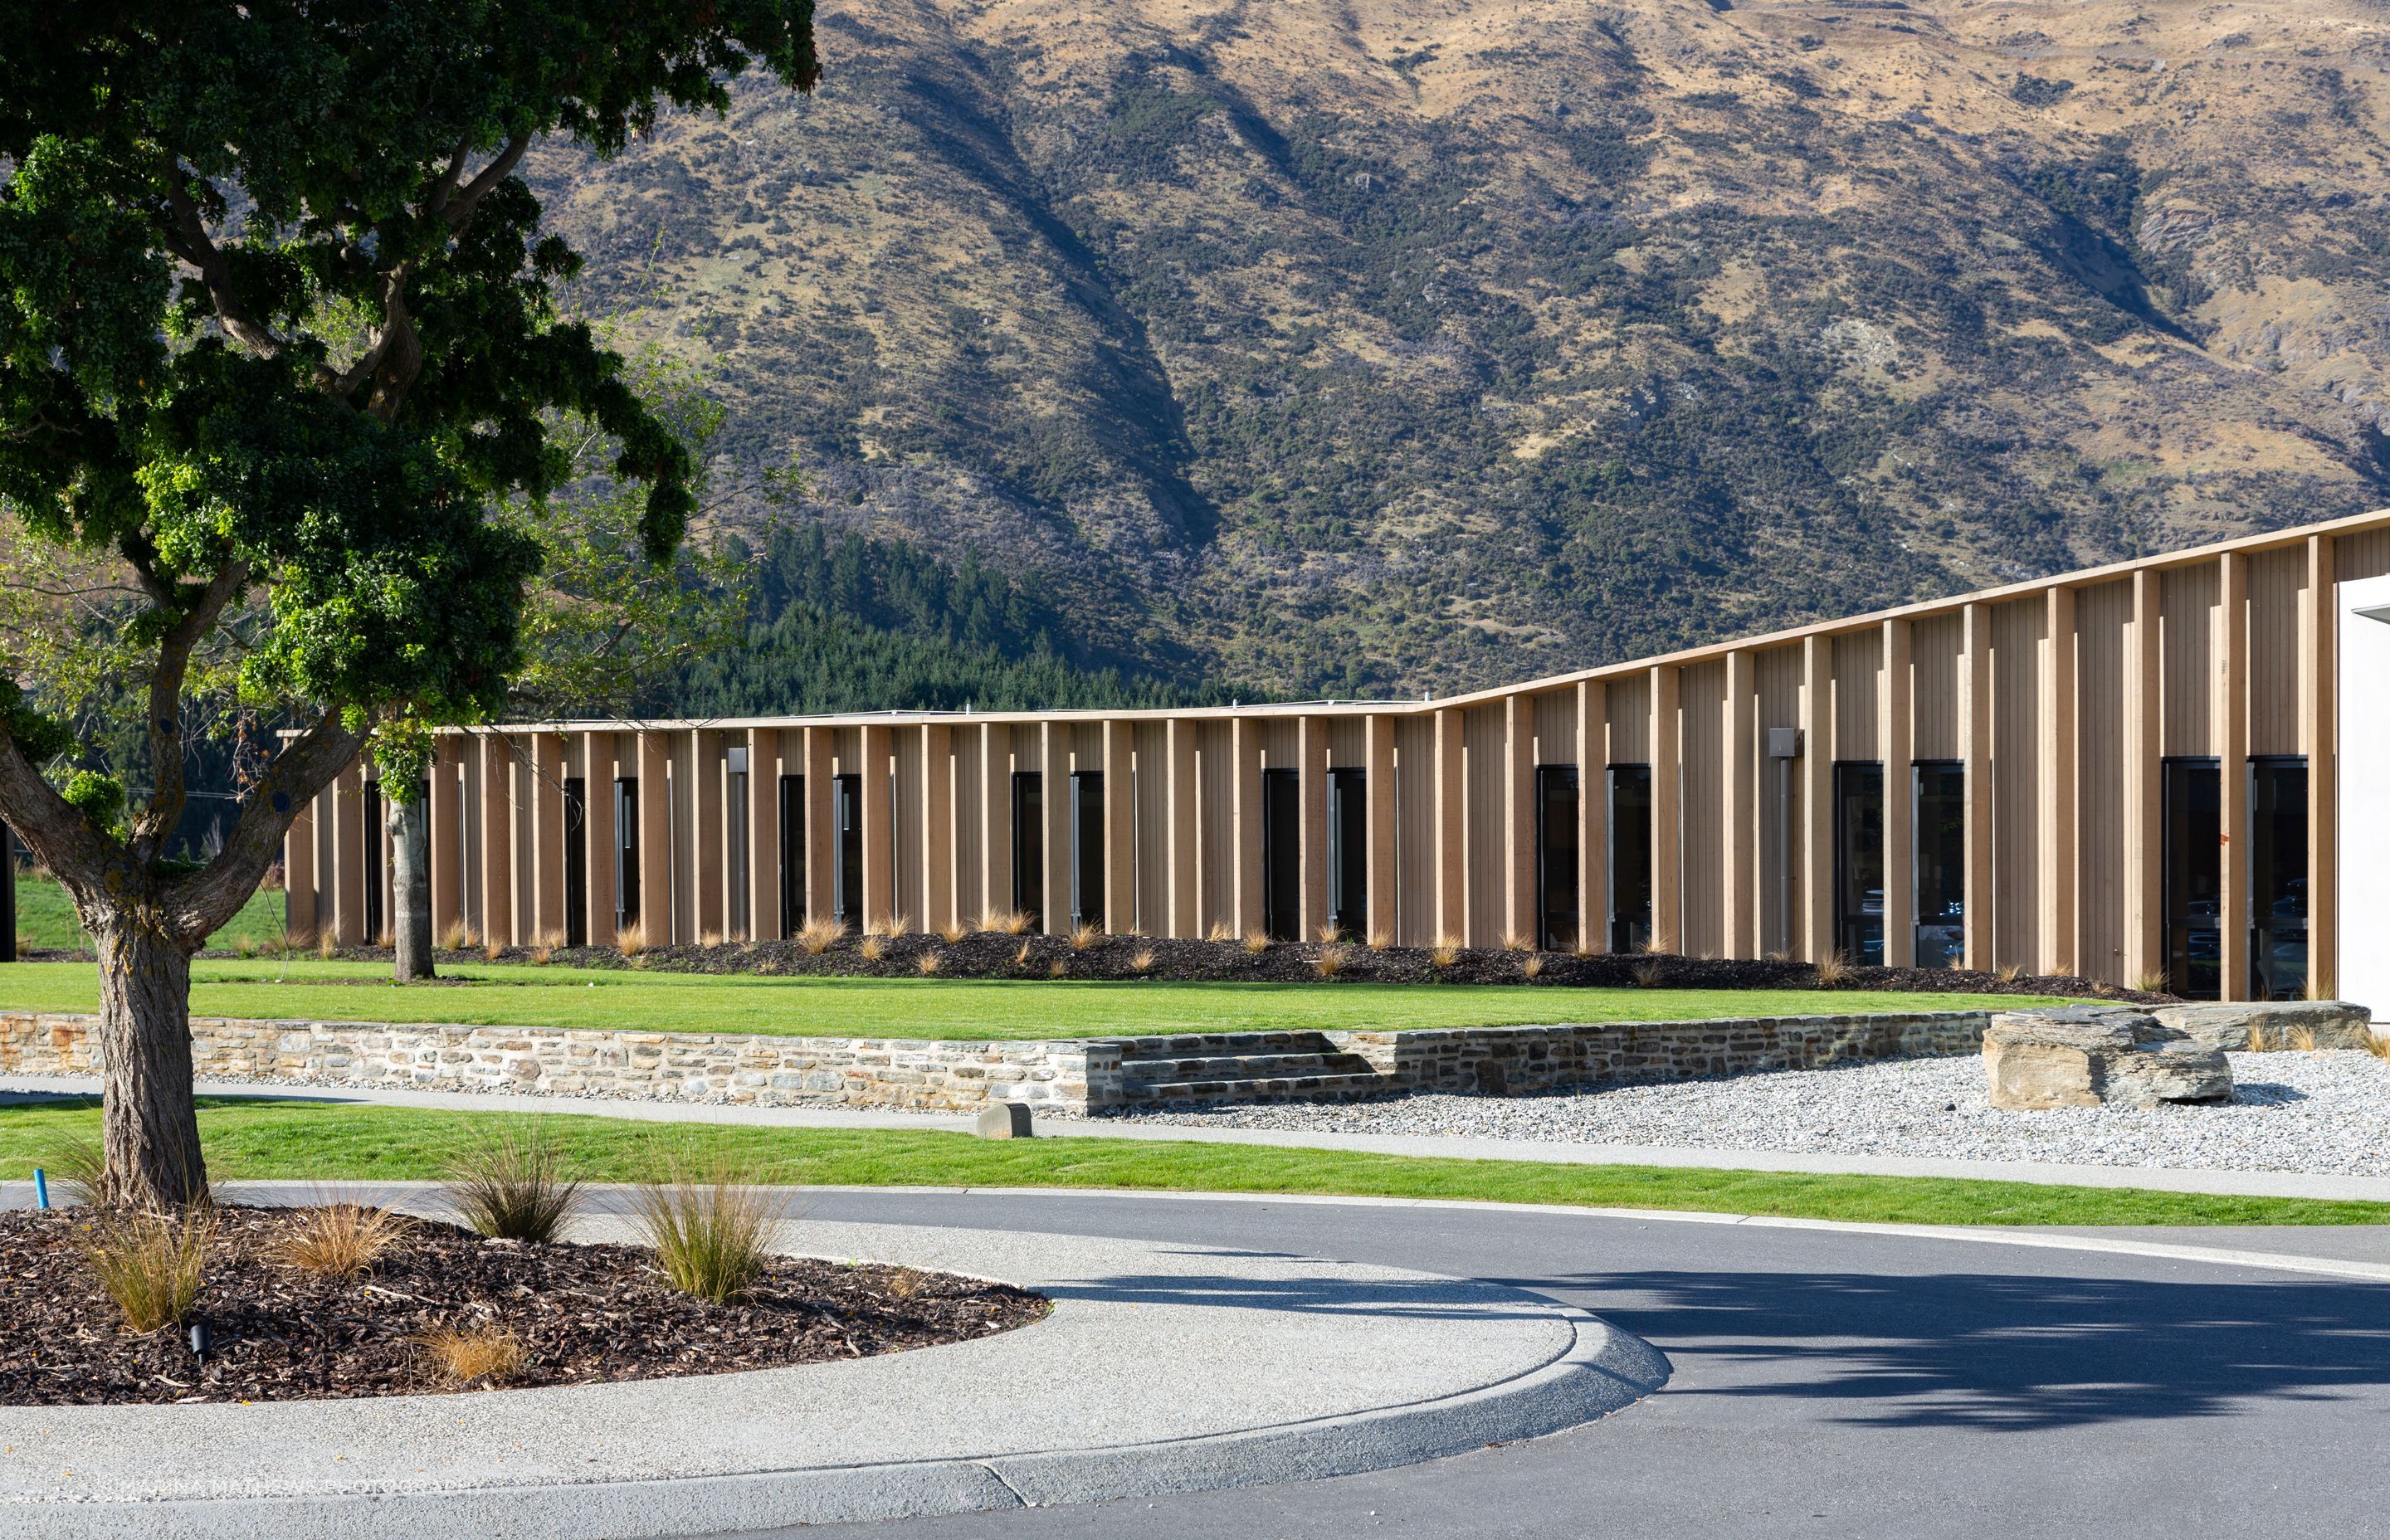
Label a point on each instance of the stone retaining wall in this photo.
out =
(1518, 1060)
(1067, 1075)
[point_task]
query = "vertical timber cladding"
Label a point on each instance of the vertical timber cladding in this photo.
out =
(763, 835)
(1779, 793)
(2103, 614)
(1485, 823)
(2016, 628)
(599, 771)
(1150, 866)
(1413, 917)
(1700, 822)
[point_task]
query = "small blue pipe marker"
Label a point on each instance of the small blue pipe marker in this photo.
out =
(41, 1188)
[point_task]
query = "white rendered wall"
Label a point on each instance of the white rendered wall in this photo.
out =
(2365, 793)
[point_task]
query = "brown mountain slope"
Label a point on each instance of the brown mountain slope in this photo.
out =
(1417, 346)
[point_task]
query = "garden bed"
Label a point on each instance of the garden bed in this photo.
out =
(577, 1314)
(995, 954)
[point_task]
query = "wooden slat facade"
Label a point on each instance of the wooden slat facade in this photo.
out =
(2062, 700)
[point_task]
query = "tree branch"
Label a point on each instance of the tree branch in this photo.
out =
(199, 905)
(459, 212)
(53, 829)
(197, 248)
(168, 793)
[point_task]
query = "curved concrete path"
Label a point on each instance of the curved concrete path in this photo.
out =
(2243, 1183)
(1165, 1367)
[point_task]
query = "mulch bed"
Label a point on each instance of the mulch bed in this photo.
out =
(582, 1313)
(991, 955)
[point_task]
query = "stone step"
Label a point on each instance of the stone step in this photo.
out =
(1251, 1066)
(1320, 1087)
(1199, 1044)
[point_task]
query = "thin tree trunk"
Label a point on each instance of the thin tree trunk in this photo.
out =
(150, 1123)
(410, 882)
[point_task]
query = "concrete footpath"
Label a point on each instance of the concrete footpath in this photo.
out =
(2243, 1183)
(1165, 1367)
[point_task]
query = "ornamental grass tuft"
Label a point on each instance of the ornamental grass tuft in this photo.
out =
(150, 1264)
(712, 1235)
(341, 1240)
(470, 1356)
(512, 1184)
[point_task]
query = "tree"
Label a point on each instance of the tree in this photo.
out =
(276, 339)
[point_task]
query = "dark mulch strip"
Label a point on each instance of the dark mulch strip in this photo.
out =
(988, 955)
(583, 1314)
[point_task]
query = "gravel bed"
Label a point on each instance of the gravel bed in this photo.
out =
(2327, 1113)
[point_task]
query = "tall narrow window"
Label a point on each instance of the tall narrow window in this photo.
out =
(576, 861)
(2194, 810)
(1556, 894)
(1348, 852)
(1630, 857)
(1282, 855)
(1029, 846)
(627, 852)
(1087, 847)
(734, 843)
(1858, 860)
(2278, 878)
(376, 917)
(792, 854)
(1941, 862)
(846, 839)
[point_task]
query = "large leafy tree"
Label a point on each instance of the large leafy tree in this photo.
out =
(276, 342)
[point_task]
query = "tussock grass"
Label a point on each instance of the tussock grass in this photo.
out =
(465, 1357)
(712, 1234)
(1330, 933)
(1142, 961)
(818, 934)
(927, 963)
(453, 937)
(512, 1183)
(1444, 953)
(1532, 966)
(1221, 930)
(342, 1241)
(952, 932)
(76, 1165)
(874, 947)
(1329, 962)
(1256, 941)
(151, 1264)
(1006, 922)
(1083, 935)
(1380, 938)
(1651, 975)
(1514, 942)
(1833, 970)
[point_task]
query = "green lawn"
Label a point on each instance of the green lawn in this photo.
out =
(326, 1142)
(45, 918)
(521, 995)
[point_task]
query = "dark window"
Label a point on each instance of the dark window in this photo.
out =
(576, 861)
(1348, 852)
(627, 852)
(792, 854)
(2278, 879)
(1858, 860)
(2194, 810)
(1282, 855)
(1941, 862)
(735, 845)
(1556, 894)
(1029, 846)
(375, 919)
(846, 839)
(1630, 857)
(1087, 847)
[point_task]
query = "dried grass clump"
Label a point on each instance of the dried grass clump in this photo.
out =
(327, 946)
(1256, 941)
(469, 1355)
(1330, 961)
(712, 1236)
(1650, 975)
(1142, 961)
(513, 1184)
(874, 947)
(888, 925)
(151, 1264)
(1020, 958)
(1657, 945)
(929, 963)
(453, 937)
(1380, 938)
(709, 939)
(1532, 966)
(1444, 953)
(495, 950)
(341, 1240)
(244, 946)
(1006, 922)
(818, 935)
(1083, 935)
(952, 932)
(385, 938)
(542, 956)
(1330, 933)
(2377, 1045)
(2152, 984)
(1058, 969)
(1833, 969)
(2011, 972)
(1514, 942)
(1221, 930)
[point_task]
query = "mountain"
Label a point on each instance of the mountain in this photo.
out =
(1382, 346)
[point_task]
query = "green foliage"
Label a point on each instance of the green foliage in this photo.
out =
(97, 797)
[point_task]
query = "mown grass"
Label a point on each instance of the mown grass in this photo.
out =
(45, 918)
(252, 1138)
(522, 995)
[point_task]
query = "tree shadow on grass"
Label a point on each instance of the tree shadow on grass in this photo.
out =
(1989, 1351)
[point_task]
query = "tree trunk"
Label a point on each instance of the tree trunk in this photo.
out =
(150, 1123)
(410, 885)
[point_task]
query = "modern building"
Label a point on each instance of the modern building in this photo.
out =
(2133, 773)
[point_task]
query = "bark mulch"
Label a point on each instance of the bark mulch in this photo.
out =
(993, 954)
(583, 1315)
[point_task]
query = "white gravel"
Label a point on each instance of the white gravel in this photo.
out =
(2321, 1112)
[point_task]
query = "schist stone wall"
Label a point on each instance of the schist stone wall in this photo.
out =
(1082, 1075)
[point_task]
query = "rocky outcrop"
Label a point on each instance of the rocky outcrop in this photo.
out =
(2238, 1026)
(2097, 1057)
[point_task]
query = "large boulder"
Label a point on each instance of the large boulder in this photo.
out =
(2236, 1026)
(2096, 1055)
